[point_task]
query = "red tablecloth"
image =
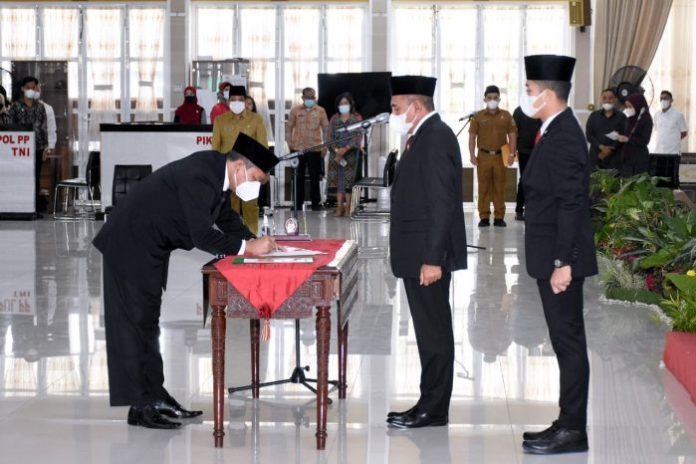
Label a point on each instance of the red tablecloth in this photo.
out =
(268, 286)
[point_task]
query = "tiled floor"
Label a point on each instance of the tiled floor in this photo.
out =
(53, 385)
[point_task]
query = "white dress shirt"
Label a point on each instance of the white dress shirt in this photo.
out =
(51, 127)
(226, 187)
(669, 126)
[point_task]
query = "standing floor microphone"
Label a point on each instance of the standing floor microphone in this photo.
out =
(382, 118)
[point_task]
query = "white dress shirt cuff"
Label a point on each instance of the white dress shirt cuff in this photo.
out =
(242, 248)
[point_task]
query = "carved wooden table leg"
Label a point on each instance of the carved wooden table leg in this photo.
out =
(255, 342)
(323, 329)
(218, 331)
(342, 360)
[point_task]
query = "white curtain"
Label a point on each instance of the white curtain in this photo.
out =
(502, 53)
(344, 39)
(103, 50)
(215, 33)
(146, 51)
(672, 67)
(413, 41)
(301, 50)
(458, 64)
(258, 44)
(60, 33)
(18, 26)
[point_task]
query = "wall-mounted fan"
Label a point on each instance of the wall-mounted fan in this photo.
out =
(632, 79)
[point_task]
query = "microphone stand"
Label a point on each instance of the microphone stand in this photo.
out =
(468, 120)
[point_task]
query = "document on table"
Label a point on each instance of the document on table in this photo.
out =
(291, 252)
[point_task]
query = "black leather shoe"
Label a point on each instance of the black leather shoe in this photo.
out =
(531, 436)
(499, 223)
(171, 408)
(418, 419)
(560, 441)
(519, 217)
(147, 416)
(401, 414)
(484, 223)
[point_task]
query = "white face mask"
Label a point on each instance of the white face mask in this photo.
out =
(237, 107)
(630, 112)
(247, 190)
(398, 122)
(527, 104)
(607, 106)
(344, 109)
(37, 95)
(665, 104)
(492, 104)
(30, 93)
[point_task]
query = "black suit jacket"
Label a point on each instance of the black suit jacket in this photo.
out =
(174, 208)
(556, 191)
(427, 220)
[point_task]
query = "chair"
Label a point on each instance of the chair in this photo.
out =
(375, 183)
(69, 189)
(127, 176)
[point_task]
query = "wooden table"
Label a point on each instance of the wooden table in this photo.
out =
(335, 282)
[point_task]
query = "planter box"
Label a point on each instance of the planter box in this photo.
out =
(633, 296)
(680, 359)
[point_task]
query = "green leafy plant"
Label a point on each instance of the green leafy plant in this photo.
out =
(680, 306)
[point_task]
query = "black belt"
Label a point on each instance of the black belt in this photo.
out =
(491, 152)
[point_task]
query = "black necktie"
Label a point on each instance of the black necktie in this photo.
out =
(409, 142)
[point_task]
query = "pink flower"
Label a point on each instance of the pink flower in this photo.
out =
(650, 282)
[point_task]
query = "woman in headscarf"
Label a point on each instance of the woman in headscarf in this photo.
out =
(190, 112)
(636, 137)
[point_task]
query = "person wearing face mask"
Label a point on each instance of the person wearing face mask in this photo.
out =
(490, 130)
(51, 127)
(306, 127)
(671, 129)
(226, 129)
(559, 243)
(27, 110)
(183, 205)
(526, 132)
(605, 153)
(222, 106)
(635, 156)
(344, 155)
(190, 112)
(5, 118)
(427, 240)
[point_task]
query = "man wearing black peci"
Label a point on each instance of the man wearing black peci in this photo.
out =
(559, 244)
(427, 240)
(180, 206)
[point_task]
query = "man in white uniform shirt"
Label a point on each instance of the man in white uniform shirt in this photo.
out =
(671, 128)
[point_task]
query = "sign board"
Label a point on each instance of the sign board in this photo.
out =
(155, 148)
(17, 190)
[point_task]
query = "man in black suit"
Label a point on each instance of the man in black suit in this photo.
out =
(180, 206)
(559, 244)
(427, 240)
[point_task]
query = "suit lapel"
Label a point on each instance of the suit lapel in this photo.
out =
(434, 118)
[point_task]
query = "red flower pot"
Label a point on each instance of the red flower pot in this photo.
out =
(680, 359)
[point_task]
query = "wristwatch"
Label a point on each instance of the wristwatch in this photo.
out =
(557, 263)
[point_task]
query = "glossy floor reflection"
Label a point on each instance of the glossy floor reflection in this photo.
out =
(54, 390)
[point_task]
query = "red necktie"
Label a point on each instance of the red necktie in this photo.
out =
(409, 142)
(537, 138)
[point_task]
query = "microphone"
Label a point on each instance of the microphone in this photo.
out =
(468, 116)
(382, 118)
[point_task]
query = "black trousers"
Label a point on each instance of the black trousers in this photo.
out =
(131, 316)
(666, 166)
(432, 321)
(313, 161)
(523, 158)
(564, 318)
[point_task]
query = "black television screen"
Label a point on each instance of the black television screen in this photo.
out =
(370, 90)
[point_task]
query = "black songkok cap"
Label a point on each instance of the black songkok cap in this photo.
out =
(412, 85)
(549, 67)
(252, 150)
(237, 91)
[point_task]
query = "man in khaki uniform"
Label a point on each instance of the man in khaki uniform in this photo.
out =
(491, 129)
(225, 131)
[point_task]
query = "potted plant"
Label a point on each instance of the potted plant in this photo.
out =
(680, 347)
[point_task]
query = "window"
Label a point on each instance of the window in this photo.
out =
(471, 46)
